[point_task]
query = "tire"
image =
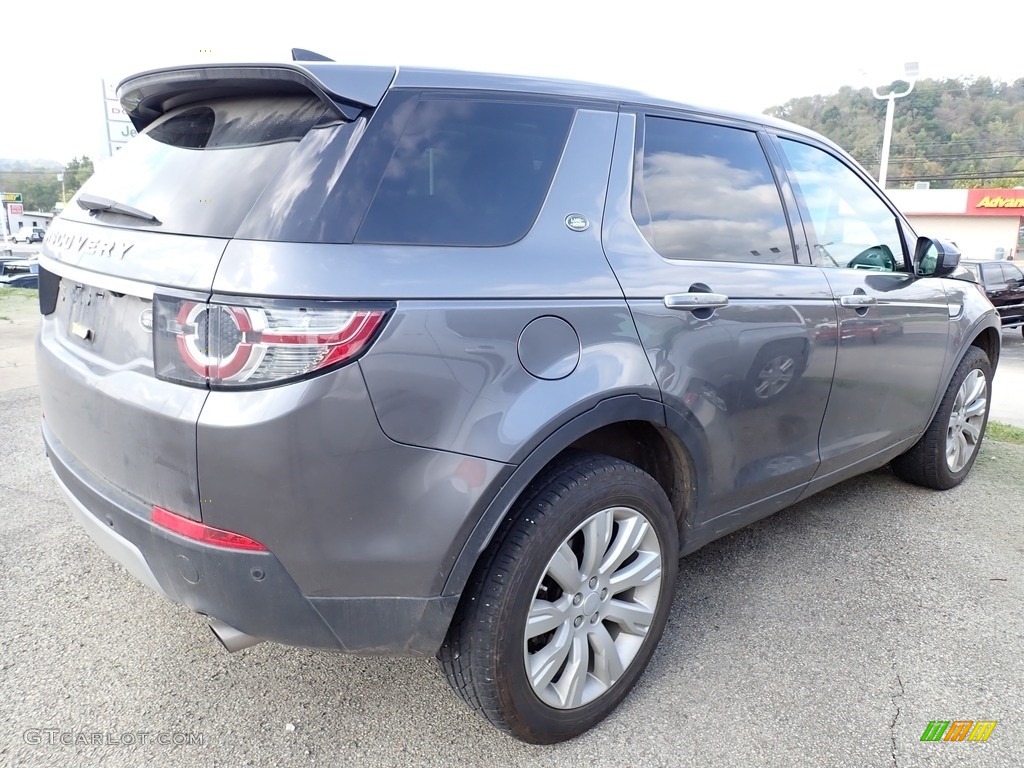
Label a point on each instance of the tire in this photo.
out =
(561, 556)
(946, 452)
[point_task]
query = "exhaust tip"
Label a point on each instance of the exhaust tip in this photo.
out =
(232, 639)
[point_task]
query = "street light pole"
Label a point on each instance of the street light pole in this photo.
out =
(4, 218)
(911, 70)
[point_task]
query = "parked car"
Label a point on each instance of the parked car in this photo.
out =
(5, 260)
(29, 235)
(1004, 285)
(460, 364)
(20, 280)
(14, 266)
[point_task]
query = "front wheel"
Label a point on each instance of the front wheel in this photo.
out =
(567, 605)
(946, 452)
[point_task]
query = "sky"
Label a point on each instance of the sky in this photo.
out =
(739, 55)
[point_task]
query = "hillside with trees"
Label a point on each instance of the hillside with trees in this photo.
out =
(39, 182)
(952, 133)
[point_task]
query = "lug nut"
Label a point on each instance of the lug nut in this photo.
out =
(594, 619)
(593, 582)
(604, 594)
(578, 621)
(577, 600)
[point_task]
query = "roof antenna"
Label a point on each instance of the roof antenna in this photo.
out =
(301, 54)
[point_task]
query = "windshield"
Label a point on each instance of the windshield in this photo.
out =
(199, 169)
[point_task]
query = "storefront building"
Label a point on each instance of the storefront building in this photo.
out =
(984, 223)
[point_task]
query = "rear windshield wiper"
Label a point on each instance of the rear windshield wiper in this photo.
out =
(93, 203)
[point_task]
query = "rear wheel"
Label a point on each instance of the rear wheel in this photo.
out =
(946, 452)
(565, 610)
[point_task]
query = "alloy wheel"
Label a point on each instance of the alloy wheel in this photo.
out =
(593, 607)
(966, 420)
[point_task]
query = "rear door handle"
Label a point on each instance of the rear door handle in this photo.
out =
(692, 301)
(858, 300)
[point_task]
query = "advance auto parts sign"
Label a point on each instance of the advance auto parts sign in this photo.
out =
(995, 202)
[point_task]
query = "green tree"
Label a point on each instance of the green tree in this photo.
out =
(952, 132)
(76, 173)
(39, 184)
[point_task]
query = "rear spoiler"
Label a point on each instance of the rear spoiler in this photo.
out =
(349, 89)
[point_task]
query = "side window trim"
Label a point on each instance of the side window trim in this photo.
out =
(638, 189)
(798, 226)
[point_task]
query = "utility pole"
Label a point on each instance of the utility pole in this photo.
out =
(3, 224)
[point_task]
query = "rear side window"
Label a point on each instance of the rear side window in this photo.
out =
(467, 172)
(199, 169)
(707, 192)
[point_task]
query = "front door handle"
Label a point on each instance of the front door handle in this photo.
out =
(858, 300)
(692, 301)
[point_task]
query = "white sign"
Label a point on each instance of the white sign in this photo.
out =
(119, 126)
(116, 113)
(121, 132)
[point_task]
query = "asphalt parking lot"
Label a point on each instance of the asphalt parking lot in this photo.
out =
(827, 635)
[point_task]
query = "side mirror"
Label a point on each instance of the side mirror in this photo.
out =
(935, 258)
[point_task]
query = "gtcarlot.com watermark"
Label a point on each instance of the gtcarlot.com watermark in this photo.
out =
(58, 737)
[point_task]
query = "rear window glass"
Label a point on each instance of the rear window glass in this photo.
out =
(199, 169)
(467, 172)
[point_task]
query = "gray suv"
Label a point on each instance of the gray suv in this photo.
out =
(422, 362)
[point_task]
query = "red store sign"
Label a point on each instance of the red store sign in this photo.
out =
(995, 202)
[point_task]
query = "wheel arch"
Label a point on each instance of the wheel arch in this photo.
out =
(984, 333)
(988, 341)
(627, 427)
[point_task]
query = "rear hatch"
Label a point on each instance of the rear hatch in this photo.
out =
(141, 242)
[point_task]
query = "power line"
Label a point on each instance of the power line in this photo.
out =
(961, 176)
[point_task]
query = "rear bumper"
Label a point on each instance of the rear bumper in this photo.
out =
(251, 591)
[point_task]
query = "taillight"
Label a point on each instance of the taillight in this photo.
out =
(243, 345)
(207, 534)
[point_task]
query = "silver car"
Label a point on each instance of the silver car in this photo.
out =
(422, 362)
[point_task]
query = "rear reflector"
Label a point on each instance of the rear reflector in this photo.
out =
(191, 529)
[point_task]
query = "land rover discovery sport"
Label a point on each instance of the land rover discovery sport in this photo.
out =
(403, 361)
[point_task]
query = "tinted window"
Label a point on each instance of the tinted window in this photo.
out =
(991, 275)
(200, 168)
(707, 192)
(467, 173)
(1010, 273)
(849, 225)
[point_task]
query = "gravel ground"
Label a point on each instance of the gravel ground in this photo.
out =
(827, 635)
